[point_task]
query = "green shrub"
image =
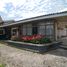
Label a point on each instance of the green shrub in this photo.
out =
(45, 40)
(39, 41)
(35, 41)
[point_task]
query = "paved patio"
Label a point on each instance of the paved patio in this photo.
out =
(14, 57)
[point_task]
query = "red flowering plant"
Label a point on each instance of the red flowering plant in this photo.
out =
(34, 38)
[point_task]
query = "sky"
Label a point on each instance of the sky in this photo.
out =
(22, 9)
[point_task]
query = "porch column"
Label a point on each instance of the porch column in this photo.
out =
(56, 31)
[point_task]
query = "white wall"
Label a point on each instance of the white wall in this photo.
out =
(61, 30)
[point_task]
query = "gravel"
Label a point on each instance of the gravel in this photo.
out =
(14, 57)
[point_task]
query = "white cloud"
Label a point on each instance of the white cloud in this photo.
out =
(2, 6)
(63, 10)
(31, 14)
(30, 8)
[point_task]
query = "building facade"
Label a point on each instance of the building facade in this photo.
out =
(53, 26)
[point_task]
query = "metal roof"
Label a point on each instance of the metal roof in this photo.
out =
(54, 15)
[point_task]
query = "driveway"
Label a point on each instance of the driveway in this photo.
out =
(14, 57)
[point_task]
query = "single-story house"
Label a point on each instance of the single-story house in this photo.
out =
(53, 26)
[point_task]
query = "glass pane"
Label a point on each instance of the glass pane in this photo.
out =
(34, 30)
(49, 22)
(24, 30)
(41, 30)
(49, 30)
(29, 29)
(1, 31)
(42, 24)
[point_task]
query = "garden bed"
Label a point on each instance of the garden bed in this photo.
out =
(34, 47)
(37, 43)
(35, 39)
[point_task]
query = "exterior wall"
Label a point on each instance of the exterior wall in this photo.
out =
(15, 31)
(61, 27)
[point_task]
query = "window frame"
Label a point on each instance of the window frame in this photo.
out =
(14, 29)
(3, 32)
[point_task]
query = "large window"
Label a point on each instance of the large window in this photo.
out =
(46, 28)
(41, 28)
(27, 29)
(49, 30)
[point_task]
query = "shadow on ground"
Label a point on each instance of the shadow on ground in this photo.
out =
(60, 51)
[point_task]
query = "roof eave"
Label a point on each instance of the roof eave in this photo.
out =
(38, 18)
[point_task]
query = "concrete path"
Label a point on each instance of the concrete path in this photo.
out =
(64, 42)
(14, 57)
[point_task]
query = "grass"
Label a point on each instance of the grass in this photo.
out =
(2, 65)
(2, 41)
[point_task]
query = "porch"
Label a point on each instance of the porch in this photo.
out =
(41, 27)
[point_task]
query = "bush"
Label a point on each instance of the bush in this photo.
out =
(45, 40)
(39, 41)
(35, 41)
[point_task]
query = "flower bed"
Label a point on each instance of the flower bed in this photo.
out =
(36, 39)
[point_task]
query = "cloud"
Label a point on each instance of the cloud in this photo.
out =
(21, 9)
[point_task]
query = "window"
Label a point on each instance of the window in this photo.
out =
(41, 28)
(49, 30)
(46, 28)
(14, 31)
(24, 29)
(34, 30)
(27, 29)
(2, 31)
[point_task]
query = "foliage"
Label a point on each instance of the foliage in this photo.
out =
(36, 39)
(33, 37)
(2, 65)
(45, 40)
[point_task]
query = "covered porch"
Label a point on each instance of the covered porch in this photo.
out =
(41, 27)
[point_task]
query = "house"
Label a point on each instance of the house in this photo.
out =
(53, 26)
